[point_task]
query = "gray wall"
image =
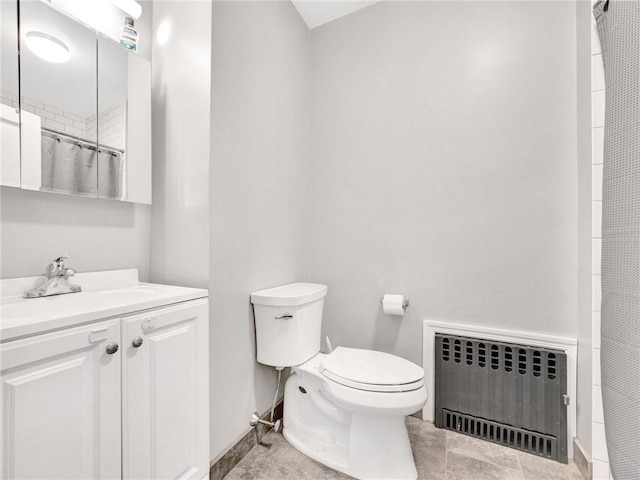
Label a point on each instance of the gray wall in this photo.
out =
(259, 160)
(181, 96)
(444, 167)
(97, 234)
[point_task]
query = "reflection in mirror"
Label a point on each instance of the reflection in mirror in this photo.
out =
(124, 123)
(112, 119)
(58, 106)
(9, 106)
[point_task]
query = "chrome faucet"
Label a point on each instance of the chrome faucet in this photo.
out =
(56, 280)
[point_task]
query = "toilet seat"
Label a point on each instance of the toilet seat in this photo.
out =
(371, 371)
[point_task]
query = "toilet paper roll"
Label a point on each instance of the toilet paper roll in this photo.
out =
(393, 304)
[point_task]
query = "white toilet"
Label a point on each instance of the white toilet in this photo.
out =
(345, 409)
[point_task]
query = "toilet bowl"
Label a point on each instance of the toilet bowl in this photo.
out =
(358, 429)
(347, 408)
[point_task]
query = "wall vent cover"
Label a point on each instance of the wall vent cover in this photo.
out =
(518, 438)
(505, 393)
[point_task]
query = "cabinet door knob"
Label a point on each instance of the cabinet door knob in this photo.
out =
(137, 342)
(112, 348)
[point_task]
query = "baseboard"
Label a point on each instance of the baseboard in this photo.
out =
(237, 452)
(582, 460)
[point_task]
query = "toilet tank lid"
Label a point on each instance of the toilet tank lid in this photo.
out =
(289, 295)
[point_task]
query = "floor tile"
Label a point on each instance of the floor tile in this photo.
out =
(426, 433)
(538, 468)
(310, 469)
(464, 467)
(482, 450)
(266, 469)
(439, 455)
(269, 471)
(273, 458)
(429, 445)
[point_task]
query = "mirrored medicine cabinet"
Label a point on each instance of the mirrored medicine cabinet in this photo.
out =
(75, 107)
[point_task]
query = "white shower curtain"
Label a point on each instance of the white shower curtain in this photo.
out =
(619, 29)
(111, 175)
(71, 165)
(68, 167)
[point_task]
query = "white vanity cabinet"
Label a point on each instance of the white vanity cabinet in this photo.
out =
(74, 408)
(165, 412)
(61, 404)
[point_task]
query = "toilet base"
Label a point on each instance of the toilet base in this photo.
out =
(363, 445)
(330, 454)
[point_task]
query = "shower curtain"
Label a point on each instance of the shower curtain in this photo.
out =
(68, 167)
(111, 175)
(619, 30)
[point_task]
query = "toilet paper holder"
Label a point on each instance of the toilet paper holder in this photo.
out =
(405, 304)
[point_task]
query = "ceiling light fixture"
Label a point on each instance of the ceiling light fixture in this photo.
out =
(130, 7)
(47, 47)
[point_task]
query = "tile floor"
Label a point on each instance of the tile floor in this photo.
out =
(440, 455)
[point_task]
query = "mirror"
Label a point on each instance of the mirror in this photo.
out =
(58, 85)
(124, 126)
(9, 106)
(84, 121)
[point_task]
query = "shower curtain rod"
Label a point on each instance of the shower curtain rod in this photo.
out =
(83, 142)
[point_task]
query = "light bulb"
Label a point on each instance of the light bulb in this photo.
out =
(47, 47)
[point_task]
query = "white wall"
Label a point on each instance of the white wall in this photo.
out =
(97, 234)
(259, 160)
(181, 92)
(444, 167)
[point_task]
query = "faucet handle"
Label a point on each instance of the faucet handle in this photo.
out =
(68, 273)
(56, 267)
(61, 259)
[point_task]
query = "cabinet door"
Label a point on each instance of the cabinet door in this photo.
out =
(165, 393)
(60, 405)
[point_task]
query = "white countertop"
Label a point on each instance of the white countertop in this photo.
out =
(104, 295)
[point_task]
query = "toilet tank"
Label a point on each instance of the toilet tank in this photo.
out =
(288, 323)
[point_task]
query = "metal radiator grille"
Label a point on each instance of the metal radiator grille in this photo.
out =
(518, 438)
(516, 387)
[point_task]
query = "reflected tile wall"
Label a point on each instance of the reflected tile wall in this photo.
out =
(599, 450)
